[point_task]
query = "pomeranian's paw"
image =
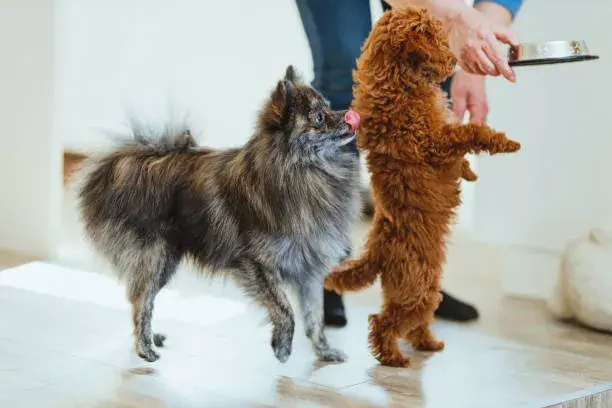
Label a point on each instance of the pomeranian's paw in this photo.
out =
(282, 337)
(147, 353)
(159, 339)
(332, 355)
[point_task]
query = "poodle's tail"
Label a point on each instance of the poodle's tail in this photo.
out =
(351, 276)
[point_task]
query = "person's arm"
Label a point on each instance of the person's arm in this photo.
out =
(502, 11)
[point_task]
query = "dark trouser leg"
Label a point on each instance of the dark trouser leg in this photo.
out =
(335, 29)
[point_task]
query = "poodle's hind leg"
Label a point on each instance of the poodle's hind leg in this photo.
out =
(351, 275)
(421, 337)
(386, 329)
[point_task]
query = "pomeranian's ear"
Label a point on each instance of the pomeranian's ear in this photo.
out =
(283, 93)
(291, 75)
(277, 113)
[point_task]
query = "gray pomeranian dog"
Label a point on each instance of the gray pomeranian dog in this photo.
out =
(274, 214)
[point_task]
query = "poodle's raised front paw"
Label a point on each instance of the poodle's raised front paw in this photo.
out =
(510, 146)
(501, 144)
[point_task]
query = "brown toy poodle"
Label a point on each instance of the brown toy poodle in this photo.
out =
(416, 155)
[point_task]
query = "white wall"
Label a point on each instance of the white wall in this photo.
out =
(215, 59)
(557, 187)
(30, 165)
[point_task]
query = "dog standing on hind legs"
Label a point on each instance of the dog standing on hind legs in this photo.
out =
(416, 157)
(277, 212)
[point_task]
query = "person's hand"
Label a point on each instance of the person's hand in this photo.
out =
(468, 94)
(475, 39)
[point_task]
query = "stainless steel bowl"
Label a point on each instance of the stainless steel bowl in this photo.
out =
(551, 52)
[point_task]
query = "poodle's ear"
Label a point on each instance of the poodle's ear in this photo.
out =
(423, 42)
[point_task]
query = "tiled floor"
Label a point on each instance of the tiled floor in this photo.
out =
(65, 342)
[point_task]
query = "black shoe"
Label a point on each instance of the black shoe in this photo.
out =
(455, 310)
(333, 308)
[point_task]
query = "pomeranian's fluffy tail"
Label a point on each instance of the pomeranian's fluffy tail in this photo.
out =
(170, 137)
(139, 142)
(123, 195)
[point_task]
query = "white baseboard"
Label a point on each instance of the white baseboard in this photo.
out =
(529, 272)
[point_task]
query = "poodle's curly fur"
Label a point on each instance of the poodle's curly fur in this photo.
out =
(416, 156)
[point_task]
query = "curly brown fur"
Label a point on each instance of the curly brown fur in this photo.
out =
(416, 158)
(277, 211)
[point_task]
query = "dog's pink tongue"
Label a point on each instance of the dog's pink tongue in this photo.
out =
(352, 119)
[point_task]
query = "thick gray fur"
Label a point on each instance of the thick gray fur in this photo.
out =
(277, 212)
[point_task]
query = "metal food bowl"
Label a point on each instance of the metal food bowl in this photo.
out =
(551, 52)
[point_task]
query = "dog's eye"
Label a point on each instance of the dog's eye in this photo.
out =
(319, 118)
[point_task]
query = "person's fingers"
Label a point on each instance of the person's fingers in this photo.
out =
(470, 67)
(477, 100)
(497, 59)
(478, 69)
(459, 98)
(482, 60)
(506, 35)
(478, 109)
(465, 63)
(470, 63)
